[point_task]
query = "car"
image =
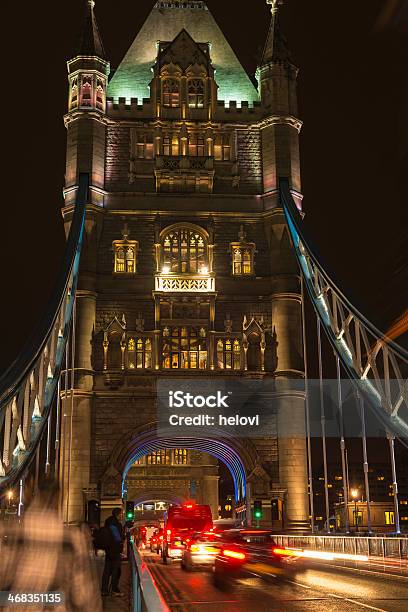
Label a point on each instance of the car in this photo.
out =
(248, 552)
(200, 550)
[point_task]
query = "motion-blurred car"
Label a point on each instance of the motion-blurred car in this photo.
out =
(249, 552)
(200, 550)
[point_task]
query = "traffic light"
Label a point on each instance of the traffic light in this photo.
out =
(258, 509)
(275, 509)
(130, 510)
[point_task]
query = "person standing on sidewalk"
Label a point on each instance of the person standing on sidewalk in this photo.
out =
(113, 558)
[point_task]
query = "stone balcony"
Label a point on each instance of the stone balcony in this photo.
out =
(184, 283)
(184, 163)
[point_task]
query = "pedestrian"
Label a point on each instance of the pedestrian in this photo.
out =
(40, 554)
(113, 557)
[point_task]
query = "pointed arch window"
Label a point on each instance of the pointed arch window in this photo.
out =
(86, 90)
(184, 250)
(229, 354)
(171, 93)
(74, 93)
(242, 255)
(196, 91)
(100, 94)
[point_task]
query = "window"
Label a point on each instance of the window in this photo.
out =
(184, 250)
(125, 254)
(229, 354)
(144, 146)
(242, 260)
(222, 148)
(196, 146)
(86, 90)
(100, 91)
(125, 259)
(160, 457)
(180, 456)
(139, 353)
(170, 93)
(74, 93)
(389, 518)
(184, 348)
(196, 93)
(357, 517)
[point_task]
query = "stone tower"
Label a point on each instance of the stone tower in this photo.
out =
(187, 269)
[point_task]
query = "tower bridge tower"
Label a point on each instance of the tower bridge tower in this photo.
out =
(187, 269)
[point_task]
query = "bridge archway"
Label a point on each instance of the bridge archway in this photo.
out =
(239, 455)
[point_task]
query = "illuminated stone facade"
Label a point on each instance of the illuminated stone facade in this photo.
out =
(187, 268)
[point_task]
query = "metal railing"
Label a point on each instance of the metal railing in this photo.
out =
(146, 595)
(375, 362)
(29, 386)
(391, 548)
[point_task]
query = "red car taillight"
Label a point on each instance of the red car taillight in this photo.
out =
(234, 554)
(283, 552)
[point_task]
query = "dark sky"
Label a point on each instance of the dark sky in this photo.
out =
(352, 98)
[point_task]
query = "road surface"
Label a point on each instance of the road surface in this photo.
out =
(317, 588)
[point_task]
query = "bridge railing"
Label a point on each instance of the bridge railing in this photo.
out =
(146, 595)
(29, 386)
(386, 547)
(375, 362)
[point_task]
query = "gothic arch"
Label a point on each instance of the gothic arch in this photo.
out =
(239, 455)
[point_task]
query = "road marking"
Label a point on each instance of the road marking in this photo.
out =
(358, 603)
(304, 586)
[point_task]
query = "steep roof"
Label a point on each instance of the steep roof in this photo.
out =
(166, 20)
(90, 41)
(276, 47)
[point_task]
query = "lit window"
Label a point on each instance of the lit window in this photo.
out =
(144, 146)
(380, 477)
(338, 478)
(389, 518)
(184, 250)
(184, 348)
(86, 90)
(180, 456)
(170, 93)
(125, 254)
(242, 255)
(160, 457)
(229, 354)
(74, 93)
(196, 93)
(222, 148)
(404, 502)
(196, 146)
(139, 353)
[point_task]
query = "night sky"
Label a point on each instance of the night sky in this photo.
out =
(352, 98)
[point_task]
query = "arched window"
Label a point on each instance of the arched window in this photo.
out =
(170, 93)
(196, 93)
(229, 354)
(184, 251)
(86, 90)
(180, 456)
(100, 94)
(184, 348)
(74, 93)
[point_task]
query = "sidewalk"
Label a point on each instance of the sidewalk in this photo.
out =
(117, 604)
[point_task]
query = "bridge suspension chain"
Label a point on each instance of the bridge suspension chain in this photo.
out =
(377, 364)
(28, 388)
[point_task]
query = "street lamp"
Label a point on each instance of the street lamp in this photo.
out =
(354, 495)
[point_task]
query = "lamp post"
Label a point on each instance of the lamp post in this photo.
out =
(354, 495)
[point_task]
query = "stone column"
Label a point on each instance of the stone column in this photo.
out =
(209, 493)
